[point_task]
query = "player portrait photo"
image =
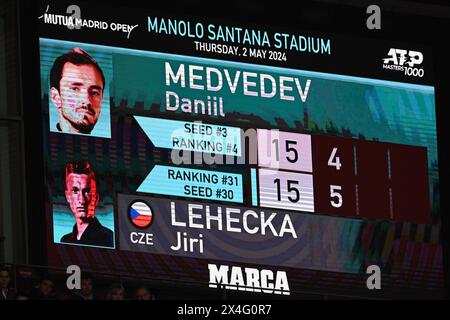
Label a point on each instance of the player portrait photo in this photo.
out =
(82, 220)
(78, 94)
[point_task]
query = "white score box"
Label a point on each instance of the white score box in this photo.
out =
(286, 190)
(284, 150)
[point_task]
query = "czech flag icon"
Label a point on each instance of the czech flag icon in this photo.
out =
(140, 214)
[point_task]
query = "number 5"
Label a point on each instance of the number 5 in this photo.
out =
(290, 149)
(334, 194)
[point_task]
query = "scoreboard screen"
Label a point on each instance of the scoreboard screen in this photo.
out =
(257, 157)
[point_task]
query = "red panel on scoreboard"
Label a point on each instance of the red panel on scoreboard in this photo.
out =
(410, 186)
(334, 176)
(373, 180)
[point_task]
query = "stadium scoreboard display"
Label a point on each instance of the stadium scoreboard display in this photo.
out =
(223, 153)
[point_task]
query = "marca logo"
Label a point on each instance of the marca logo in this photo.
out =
(407, 61)
(250, 279)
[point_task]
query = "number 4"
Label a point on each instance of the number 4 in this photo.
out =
(334, 161)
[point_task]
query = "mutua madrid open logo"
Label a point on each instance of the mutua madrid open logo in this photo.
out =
(140, 214)
(407, 61)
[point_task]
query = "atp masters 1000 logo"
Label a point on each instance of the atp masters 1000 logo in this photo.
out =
(407, 61)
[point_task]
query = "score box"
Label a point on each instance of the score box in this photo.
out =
(373, 179)
(284, 150)
(286, 190)
(410, 184)
(334, 175)
(193, 183)
(192, 136)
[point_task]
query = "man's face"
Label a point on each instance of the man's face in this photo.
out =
(46, 287)
(82, 196)
(118, 294)
(86, 287)
(80, 96)
(4, 279)
(142, 294)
